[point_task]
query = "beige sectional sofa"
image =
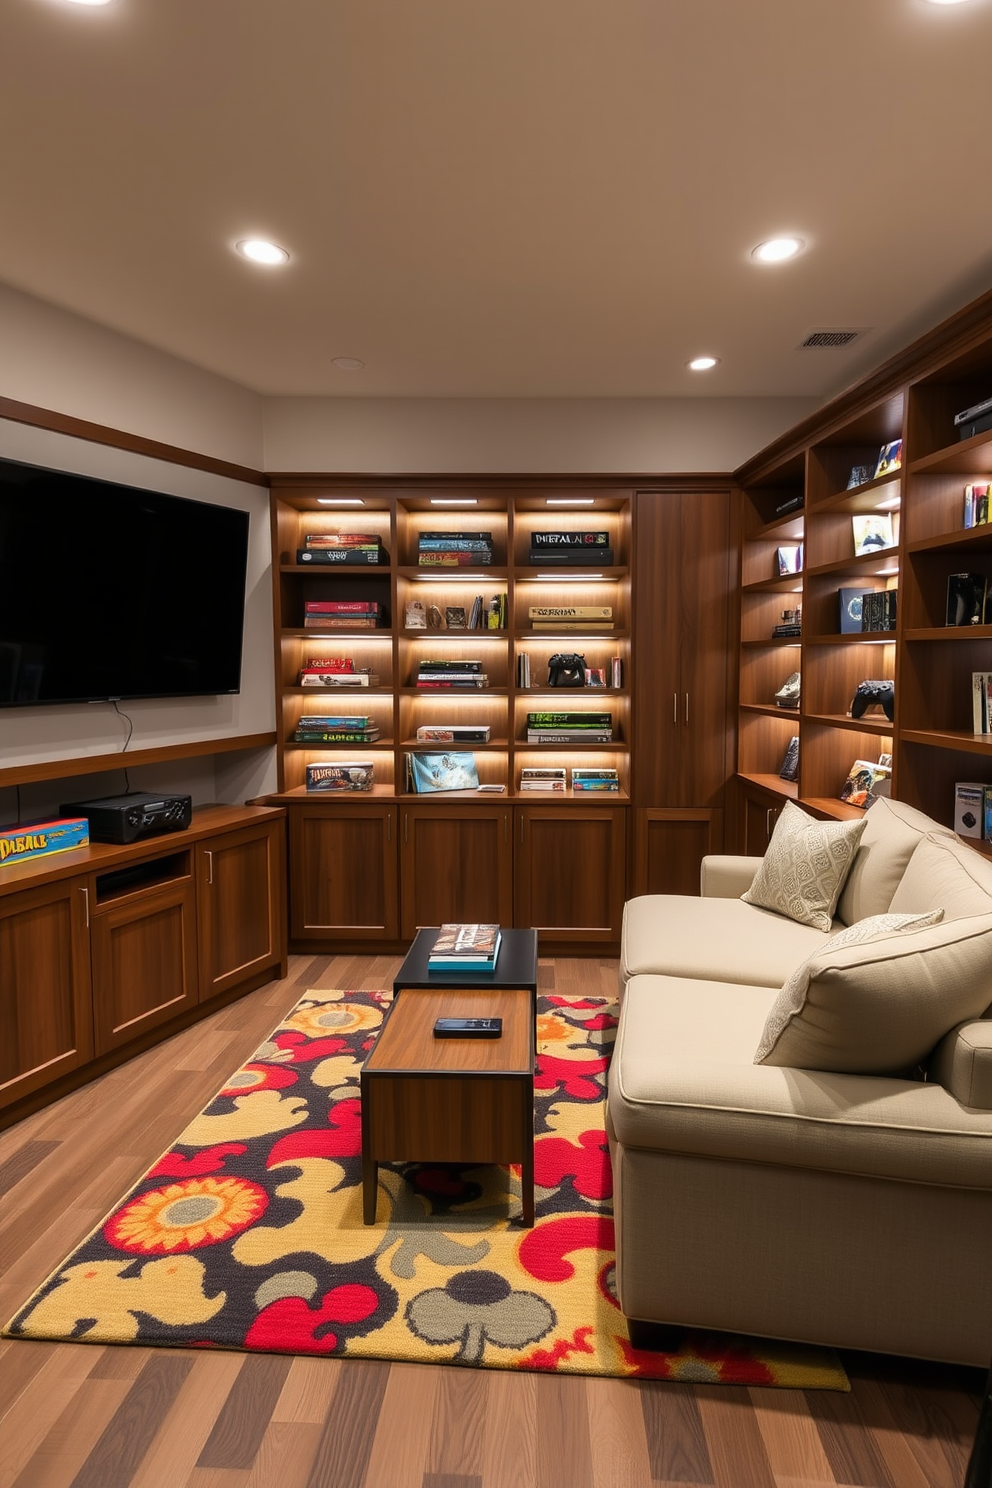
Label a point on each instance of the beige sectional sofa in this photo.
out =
(849, 1206)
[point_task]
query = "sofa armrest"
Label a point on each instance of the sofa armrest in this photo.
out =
(962, 1063)
(724, 876)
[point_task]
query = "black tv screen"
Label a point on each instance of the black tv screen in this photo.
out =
(110, 591)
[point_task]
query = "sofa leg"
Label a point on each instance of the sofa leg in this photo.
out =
(657, 1338)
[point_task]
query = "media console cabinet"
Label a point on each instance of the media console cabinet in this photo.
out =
(106, 950)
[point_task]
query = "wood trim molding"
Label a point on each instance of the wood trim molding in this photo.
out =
(94, 764)
(63, 423)
(419, 483)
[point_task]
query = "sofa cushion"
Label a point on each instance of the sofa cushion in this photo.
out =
(682, 1081)
(791, 1001)
(892, 833)
(943, 871)
(803, 870)
(719, 939)
(880, 1007)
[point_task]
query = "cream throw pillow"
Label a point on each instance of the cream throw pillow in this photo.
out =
(879, 1006)
(804, 869)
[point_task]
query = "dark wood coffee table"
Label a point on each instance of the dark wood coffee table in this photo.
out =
(450, 1100)
(516, 966)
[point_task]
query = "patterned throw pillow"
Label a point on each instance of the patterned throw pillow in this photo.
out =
(804, 868)
(792, 999)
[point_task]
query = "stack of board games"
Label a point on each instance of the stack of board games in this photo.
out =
(342, 614)
(454, 549)
(598, 778)
(571, 549)
(453, 733)
(551, 779)
(343, 775)
(37, 839)
(570, 617)
(569, 728)
(336, 728)
(341, 548)
(465, 948)
(453, 676)
(336, 671)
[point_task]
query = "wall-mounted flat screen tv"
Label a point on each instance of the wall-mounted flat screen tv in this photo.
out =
(110, 591)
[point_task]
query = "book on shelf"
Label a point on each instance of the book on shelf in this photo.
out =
(342, 607)
(966, 599)
(789, 768)
(789, 560)
(335, 720)
(872, 532)
(523, 670)
(465, 947)
(454, 557)
(556, 787)
(976, 503)
(878, 609)
(569, 736)
(543, 541)
(475, 614)
(455, 542)
(866, 781)
(314, 540)
(558, 719)
(572, 557)
(319, 677)
(453, 733)
(595, 778)
(536, 778)
(346, 775)
(582, 626)
(558, 614)
(889, 458)
(449, 771)
(335, 736)
(790, 504)
(981, 702)
(969, 808)
(340, 622)
(360, 557)
(850, 605)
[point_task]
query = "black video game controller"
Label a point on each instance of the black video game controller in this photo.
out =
(874, 692)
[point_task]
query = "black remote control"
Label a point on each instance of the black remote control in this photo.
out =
(468, 1028)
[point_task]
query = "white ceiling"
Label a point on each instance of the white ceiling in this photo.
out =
(500, 198)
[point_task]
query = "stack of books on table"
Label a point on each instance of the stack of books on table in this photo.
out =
(344, 775)
(595, 779)
(353, 548)
(465, 948)
(570, 617)
(453, 733)
(551, 779)
(336, 728)
(336, 671)
(571, 549)
(454, 549)
(451, 676)
(341, 614)
(569, 728)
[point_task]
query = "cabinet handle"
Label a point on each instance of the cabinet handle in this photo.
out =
(687, 707)
(210, 865)
(768, 821)
(675, 707)
(521, 830)
(389, 828)
(406, 826)
(86, 903)
(506, 830)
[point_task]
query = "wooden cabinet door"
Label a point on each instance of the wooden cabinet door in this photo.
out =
(240, 892)
(684, 577)
(455, 864)
(144, 961)
(670, 844)
(760, 813)
(343, 872)
(570, 871)
(46, 1011)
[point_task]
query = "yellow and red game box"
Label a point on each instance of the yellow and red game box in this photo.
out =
(37, 839)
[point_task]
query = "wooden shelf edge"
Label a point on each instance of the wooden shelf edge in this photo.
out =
(948, 739)
(867, 725)
(961, 537)
(774, 784)
(95, 764)
(949, 633)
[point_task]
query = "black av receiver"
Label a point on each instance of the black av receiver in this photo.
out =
(127, 818)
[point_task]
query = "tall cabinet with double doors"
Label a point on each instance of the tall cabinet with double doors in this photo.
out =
(684, 747)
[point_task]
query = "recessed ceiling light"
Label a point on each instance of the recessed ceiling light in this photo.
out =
(572, 578)
(348, 364)
(454, 501)
(702, 364)
(262, 252)
(89, 2)
(777, 250)
(570, 501)
(945, 2)
(340, 500)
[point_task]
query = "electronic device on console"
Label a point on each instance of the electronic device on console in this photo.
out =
(135, 815)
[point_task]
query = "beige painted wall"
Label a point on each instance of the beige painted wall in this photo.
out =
(60, 361)
(453, 435)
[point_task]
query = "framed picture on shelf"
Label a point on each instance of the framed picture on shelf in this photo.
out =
(443, 772)
(889, 458)
(866, 781)
(789, 560)
(872, 532)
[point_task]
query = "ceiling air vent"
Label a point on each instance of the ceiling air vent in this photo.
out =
(830, 339)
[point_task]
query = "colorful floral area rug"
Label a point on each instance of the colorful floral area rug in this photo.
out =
(248, 1234)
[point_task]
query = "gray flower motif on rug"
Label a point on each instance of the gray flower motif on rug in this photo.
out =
(474, 1308)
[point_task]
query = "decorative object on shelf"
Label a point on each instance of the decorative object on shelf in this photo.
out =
(889, 458)
(866, 781)
(39, 838)
(872, 531)
(570, 617)
(790, 764)
(878, 610)
(354, 548)
(966, 598)
(566, 669)
(790, 504)
(571, 549)
(870, 693)
(496, 618)
(974, 420)
(454, 549)
(415, 615)
(976, 503)
(860, 476)
(981, 702)
(969, 808)
(454, 617)
(789, 560)
(336, 671)
(595, 676)
(334, 614)
(850, 605)
(435, 620)
(791, 624)
(442, 772)
(616, 671)
(788, 694)
(348, 775)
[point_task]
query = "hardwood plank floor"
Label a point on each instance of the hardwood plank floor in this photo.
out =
(82, 1416)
